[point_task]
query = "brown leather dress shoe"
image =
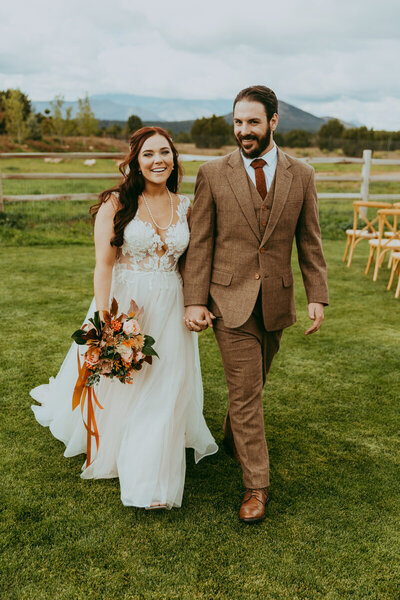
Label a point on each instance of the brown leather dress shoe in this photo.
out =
(253, 505)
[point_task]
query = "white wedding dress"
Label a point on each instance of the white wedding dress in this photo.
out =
(144, 427)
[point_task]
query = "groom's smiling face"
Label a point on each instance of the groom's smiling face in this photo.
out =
(252, 130)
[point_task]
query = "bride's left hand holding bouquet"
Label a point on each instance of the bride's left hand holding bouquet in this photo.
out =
(116, 348)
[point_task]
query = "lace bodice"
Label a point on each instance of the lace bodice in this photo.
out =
(142, 244)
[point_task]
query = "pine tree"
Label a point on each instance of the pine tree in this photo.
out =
(133, 124)
(212, 132)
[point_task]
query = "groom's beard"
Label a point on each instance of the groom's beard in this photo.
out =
(263, 143)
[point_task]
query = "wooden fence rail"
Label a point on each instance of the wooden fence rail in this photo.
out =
(364, 178)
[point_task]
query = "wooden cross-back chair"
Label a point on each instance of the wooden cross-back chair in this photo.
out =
(388, 239)
(390, 233)
(370, 229)
(395, 258)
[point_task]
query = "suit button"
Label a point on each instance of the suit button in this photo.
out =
(264, 223)
(262, 250)
(257, 276)
(264, 207)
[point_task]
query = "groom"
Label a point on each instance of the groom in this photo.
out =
(249, 206)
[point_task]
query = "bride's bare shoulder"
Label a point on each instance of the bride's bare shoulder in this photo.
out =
(110, 206)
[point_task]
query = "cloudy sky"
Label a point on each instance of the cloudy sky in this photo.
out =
(330, 57)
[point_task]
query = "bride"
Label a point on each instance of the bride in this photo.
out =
(141, 231)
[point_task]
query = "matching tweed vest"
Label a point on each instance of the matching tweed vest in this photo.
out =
(262, 207)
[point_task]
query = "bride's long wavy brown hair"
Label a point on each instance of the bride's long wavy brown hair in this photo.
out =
(133, 183)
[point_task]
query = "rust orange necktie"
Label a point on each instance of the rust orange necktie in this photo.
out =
(261, 184)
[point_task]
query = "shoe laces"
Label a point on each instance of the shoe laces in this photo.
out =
(254, 494)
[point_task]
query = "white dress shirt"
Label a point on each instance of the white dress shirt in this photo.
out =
(271, 158)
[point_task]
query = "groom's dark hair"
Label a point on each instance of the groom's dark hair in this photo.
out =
(262, 94)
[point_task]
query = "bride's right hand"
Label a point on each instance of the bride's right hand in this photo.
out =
(198, 318)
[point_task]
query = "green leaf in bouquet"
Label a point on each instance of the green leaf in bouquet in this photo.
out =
(96, 321)
(77, 336)
(149, 351)
(148, 346)
(93, 323)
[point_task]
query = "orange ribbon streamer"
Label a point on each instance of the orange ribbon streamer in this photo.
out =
(81, 392)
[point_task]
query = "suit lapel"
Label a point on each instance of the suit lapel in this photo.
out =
(239, 183)
(283, 181)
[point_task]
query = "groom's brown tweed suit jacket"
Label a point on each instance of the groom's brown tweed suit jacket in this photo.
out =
(231, 258)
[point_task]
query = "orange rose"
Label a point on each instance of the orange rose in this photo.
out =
(92, 356)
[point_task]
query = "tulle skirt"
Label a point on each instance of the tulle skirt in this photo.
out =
(145, 427)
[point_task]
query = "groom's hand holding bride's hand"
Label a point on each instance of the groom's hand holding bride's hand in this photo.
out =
(198, 318)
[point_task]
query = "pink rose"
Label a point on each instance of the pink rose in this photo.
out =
(126, 353)
(92, 356)
(131, 327)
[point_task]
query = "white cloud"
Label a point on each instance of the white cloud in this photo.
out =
(352, 110)
(332, 57)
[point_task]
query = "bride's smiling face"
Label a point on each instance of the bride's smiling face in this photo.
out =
(156, 160)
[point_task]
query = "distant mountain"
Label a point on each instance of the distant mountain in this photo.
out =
(121, 106)
(178, 114)
(291, 117)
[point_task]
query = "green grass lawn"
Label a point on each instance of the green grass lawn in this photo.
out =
(74, 165)
(69, 222)
(331, 415)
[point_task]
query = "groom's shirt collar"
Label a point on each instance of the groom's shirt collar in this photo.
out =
(270, 157)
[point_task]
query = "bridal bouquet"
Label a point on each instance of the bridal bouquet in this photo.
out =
(116, 346)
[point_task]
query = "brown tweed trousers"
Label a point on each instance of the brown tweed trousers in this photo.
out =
(239, 264)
